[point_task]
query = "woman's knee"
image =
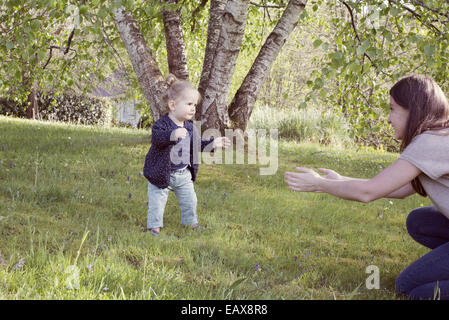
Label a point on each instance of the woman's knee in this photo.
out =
(413, 221)
(417, 217)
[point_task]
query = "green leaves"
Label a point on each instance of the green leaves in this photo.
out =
(317, 43)
(429, 50)
(370, 50)
(363, 47)
(355, 67)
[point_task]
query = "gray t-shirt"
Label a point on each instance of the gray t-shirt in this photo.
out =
(429, 152)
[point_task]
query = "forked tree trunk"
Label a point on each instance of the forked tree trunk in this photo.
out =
(214, 106)
(150, 77)
(227, 19)
(244, 100)
(174, 38)
(216, 11)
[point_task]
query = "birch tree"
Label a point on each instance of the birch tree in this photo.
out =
(227, 19)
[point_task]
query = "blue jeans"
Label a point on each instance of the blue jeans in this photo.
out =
(182, 185)
(430, 273)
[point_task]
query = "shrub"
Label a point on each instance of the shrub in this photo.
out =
(66, 107)
(308, 125)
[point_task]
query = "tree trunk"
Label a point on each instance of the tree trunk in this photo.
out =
(216, 11)
(214, 113)
(174, 38)
(243, 103)
(33, 107)
(150, 77)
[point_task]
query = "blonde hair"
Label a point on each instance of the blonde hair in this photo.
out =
(176, 87)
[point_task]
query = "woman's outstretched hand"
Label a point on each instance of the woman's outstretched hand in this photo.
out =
(330, 174)
(305, 180)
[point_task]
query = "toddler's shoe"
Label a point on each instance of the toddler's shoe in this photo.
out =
(154, 232)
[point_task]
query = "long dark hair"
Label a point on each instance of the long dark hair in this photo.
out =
(428, 110)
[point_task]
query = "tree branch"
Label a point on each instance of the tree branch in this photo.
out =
(196, 11)
(418, 17)
(358, 38)
(421, 4)
(66, 50)
(69, 41)
(352, 20)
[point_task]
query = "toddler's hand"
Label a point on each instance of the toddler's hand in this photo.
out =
(180, 133)
(222, 142)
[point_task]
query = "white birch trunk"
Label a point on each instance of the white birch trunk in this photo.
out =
(150, 77)
(213, 108)
(244, 100)
(174, 39)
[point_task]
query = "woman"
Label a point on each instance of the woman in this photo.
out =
(419, 115)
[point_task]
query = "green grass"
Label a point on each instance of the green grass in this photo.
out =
(84, 215)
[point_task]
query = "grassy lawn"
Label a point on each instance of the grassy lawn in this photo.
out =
(73, 205)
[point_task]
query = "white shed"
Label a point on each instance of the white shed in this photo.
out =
(113, 87)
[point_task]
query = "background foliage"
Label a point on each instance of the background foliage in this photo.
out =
(343, 56)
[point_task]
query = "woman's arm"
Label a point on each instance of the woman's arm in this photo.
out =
(401, 193)
(388, 183)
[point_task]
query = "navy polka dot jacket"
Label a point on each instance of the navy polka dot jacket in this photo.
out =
(157, 160)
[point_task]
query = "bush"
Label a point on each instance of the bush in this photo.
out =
(66, 107)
